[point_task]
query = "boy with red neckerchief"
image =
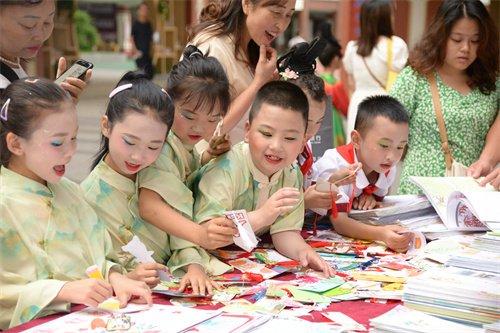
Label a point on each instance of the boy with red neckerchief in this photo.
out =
(377, 143)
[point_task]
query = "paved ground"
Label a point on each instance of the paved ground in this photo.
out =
(108, 68)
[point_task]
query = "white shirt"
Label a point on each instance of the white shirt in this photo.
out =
(20, 73)
(365, 84)
(342, 157)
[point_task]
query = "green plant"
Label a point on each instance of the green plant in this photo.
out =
(87, 34)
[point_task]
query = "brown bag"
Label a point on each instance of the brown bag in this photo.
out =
(453, 168)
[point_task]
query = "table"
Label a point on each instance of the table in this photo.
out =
(359, 310)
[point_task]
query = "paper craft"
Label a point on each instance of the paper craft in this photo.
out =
(270, 256)
(159, 318)
(247, 265)
(417, 243)
(307, 296)
(323, 285)
(344, 321)
(246, 239)
(402, 319)
(229, 322)
(171, 289)
(142, 255)
(296, 325)
(230, 254)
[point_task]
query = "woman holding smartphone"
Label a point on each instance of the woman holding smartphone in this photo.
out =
(25, 25)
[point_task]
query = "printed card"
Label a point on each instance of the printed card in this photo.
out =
(249, 266)
(246, 239)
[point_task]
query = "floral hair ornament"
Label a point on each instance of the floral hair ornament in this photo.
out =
(5, 110)
(289, 74)
(120, 89)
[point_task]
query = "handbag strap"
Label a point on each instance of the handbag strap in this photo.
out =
(440, 121)
(372, 75)
(389, 55)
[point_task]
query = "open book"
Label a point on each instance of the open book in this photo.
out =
(461, 203)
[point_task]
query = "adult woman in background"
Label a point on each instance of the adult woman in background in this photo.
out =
(239, 34)
(25, 25)
(366, 59)
(459, 51)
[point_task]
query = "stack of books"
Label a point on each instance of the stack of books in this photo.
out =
(468, 296)
(410, 211)
(404, 320)
(490, 241)
(476, 259)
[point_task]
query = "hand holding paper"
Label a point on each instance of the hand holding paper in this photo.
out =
(246, 239)
(143, 256)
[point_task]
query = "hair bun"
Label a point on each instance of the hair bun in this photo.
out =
(211, 11)
(132, 76)
(302, 57)
(191, 51)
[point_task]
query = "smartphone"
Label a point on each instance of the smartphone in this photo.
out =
(78, 70)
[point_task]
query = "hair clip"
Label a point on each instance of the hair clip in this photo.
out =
(166, 93)
(5, 110)
(289, 74)
(196, 52)
(120, 89)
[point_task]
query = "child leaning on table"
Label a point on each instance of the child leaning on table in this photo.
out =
(259, 175)
(377, 142)
(49, 235)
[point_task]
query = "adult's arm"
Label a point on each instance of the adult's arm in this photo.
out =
(490, 156)
(264, 73)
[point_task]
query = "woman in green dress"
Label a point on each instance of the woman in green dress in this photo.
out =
(460, 50)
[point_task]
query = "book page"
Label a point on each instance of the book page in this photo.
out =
(439, 189)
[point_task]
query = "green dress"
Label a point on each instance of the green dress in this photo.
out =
(48, 235)
(467, 118)
(170, 176)
(232, 182)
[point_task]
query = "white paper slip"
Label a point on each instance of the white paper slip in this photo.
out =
(344, 321)
(142, 255)
(246, 239)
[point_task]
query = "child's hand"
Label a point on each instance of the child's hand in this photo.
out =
(219, 232)
(125, 288)
(345, 176)
(218, 145)
(310, 258)
(395, 238)
(317, 199)
(281, 202)
(364, 202)
(148, 273)
(198, 280)
(89, 292)
(266, 66)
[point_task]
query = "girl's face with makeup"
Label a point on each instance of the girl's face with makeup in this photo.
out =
(135, 142)
(194, 122)
(381, 146)
(316, 116)
(25, 28)
(50, 146)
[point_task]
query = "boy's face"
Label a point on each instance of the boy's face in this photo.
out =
(276, 137)
(316, 115)
(381, 146)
